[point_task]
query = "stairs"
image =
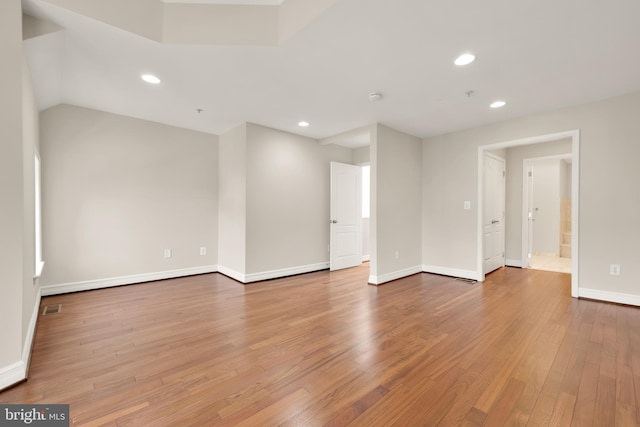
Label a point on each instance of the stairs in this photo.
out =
(565, 228)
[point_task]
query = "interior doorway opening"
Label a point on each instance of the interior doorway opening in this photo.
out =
(546, 207)
(573, 139)
(359, 141)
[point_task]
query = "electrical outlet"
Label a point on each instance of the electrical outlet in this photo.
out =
(203, 250)
(167, 253)
(614, 269)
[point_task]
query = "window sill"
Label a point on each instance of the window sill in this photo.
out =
(39, 269)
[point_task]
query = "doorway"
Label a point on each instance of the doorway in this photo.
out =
(359, 141)
(546, 230)
(494, 213)
(345, 245)
(574, 137)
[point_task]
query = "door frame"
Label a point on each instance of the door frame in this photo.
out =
(333, 170)
(526, 235)
(575, 193)
(504, 206)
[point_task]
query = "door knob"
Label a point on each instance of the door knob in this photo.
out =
(333, 221)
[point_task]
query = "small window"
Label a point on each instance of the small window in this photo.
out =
(39, 263)
(366, 179)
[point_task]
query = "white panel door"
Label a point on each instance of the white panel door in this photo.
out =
(530, 216)
(493, 213)
(346, 216)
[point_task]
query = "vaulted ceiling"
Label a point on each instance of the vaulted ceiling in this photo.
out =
(277, 63)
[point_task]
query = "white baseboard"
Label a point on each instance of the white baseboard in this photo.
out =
(272, 274)
(453, 272)
(616, 297)
(395, 275)
(17, 372)
(513, 262)
(235, 275)
(284, 272)
(31, 332)
(366, 258)
(124, 280)
(12, 374)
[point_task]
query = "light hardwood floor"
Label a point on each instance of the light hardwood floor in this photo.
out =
(551, 263)
(326, 349)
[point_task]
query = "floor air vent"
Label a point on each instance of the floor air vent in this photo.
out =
(461, 279)
(52, 309)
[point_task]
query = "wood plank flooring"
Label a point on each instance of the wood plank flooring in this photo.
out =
(326, 349)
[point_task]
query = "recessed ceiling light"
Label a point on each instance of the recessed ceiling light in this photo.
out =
(498, 104)
(150, 78)
(465, 59)
(375, 96)
(303, 124)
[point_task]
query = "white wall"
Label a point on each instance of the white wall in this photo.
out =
(396, 176)
(448, 180)
(287, 199)
(502, 153)
(35, 27)
(565, 180)
(609, 200)
(546, 207)
(514, 160)
(117, 191)
(19, 297)
(362, 155)
(31, 143)
(232, 203)
(11, 184)
(143, 17)
(366, 239)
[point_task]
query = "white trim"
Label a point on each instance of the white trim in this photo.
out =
(235, 275)
(353, 259)
(16, 372)
(124, 280)
(616, 297)
(525, 202)
(525, 215)
(504, 206)
(453, 272)
(39, 268)
(513, 263)
(37, 215)
(575, 209)
(284, 272)
(31, 331)
(366, 258)
(575, 193)
(480, 217)
(12, 374)
(395, 275)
